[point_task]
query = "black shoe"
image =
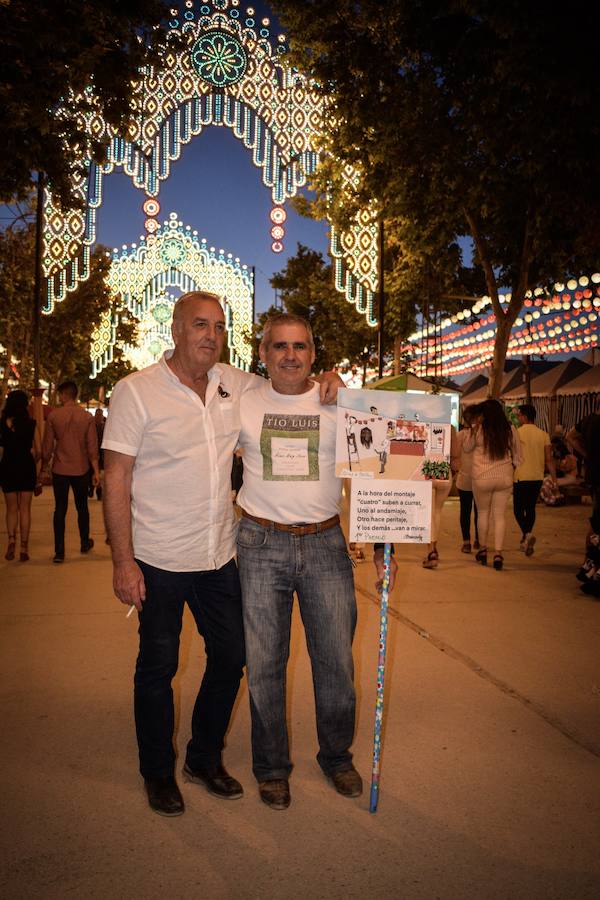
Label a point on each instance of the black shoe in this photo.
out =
(98, 493)
(347, 782)
(275, 793)
(86, 546)
(217, 781)
(164, 796)
(58, 557)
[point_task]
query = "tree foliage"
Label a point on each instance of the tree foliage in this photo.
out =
(465, 118)
(306, 289)
(85, 54)
(17, 246)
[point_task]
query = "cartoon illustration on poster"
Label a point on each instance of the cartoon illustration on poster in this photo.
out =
(395, 435)
(391, 445)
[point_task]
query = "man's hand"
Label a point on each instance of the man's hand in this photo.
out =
(379, 568)
(329, 383)
(128, 583)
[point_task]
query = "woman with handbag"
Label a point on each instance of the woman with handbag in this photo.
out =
(18, 477)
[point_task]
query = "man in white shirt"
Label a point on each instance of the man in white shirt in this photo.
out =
(290, 540)
(169, 442)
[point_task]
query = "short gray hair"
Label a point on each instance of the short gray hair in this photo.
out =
(285, 319)
(191, 295)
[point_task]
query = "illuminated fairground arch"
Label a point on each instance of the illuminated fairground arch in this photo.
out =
(228, 74)
(173, 257)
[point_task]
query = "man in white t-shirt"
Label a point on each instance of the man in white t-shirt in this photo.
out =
(290, 540)
(169, 442)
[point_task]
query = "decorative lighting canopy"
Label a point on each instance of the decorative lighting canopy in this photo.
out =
(563, 321)
(228, 74)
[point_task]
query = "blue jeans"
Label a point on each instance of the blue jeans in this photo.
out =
(273, 564)
(215, 602)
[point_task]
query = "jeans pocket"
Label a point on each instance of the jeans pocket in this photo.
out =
(335, 540)
(251, 536)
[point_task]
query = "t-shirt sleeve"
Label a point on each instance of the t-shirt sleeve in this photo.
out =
(126, 421)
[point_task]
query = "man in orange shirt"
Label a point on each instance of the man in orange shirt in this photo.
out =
(70, 441)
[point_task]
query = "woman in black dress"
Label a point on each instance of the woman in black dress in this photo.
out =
(17, 469)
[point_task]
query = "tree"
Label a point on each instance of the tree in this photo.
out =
(460, 121)
(306, 289)
(83, 58)
(16, 292)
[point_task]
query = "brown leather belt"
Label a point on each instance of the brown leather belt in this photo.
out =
(298, 530)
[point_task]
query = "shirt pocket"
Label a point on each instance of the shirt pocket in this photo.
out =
(230, 416)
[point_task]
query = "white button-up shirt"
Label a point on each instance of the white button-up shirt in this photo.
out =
(181, 507)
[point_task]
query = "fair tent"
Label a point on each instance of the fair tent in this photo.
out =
(587, 382)
(547, 384)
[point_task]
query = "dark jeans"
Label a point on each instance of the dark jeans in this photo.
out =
(525, 495)
(60, 485)
(273, 565)
(467, 504)
(214, 599)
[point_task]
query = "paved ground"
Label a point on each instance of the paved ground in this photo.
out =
(491, 771)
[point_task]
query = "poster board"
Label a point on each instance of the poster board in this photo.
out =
(391, 445)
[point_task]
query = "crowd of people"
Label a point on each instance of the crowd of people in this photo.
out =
(167, 447)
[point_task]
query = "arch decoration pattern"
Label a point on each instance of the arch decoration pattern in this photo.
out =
(174, 256)
(231, 74)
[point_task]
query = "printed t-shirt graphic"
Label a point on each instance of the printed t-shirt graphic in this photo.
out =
(290, 447)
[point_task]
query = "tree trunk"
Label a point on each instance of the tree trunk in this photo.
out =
(503, 330)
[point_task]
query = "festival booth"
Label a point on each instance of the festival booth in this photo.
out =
(543, 392)
(579, 397)
(513, 382)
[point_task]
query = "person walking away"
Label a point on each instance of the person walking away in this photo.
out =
(496, 450)
(537, 457)
(585, 439)
(71, 445)
(20, 442)
(290, 542)
(464, 483)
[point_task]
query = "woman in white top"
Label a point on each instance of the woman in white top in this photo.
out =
(496, 450)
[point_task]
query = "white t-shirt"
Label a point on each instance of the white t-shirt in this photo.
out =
(182, 514)
(289, 456)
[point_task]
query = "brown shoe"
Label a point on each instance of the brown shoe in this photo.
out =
(275, 793)
(347, 782)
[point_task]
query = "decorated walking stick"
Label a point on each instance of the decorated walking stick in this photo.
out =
(383, 627)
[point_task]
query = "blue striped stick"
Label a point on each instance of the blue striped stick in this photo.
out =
(383, 627)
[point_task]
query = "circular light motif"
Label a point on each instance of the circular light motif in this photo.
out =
(155, 347)
(151, 225)
(173, 252)
(277, 247)
(219, 58)
(277, 232)
(278, 215)
(151, 207)
(162, 312)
